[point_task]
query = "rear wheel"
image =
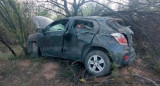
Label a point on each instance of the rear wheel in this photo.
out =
(35, 50)
(97, 63)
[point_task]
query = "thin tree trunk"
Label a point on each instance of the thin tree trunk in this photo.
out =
(7, 45)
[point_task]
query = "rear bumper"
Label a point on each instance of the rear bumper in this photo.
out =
(131, 55)
(120, 53)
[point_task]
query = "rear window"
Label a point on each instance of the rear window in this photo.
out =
(82, 23)
(116, 24)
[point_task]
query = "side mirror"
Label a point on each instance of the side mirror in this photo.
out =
(39, 30)
(129, 26)
(43, 30)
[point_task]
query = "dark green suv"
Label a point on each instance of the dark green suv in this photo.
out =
(95, 41)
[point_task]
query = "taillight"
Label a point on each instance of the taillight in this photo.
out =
(120, 38)
(126, 58)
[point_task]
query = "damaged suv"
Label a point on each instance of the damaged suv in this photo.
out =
(95, 41)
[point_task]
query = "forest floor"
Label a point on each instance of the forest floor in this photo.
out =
(46, 71)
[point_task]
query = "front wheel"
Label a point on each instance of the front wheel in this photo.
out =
(97, 63)
(35, 50)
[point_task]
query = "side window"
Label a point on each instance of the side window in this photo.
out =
(58, 26)
(82, 24)
(116, 23)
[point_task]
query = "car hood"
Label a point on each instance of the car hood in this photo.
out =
(41, 22)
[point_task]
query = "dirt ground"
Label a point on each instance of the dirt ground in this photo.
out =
(60, 72)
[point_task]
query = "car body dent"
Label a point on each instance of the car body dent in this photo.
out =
(76, 40)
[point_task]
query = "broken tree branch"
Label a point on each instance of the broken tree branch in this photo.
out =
(145, 78)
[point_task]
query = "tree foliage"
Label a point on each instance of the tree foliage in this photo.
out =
(14, 21)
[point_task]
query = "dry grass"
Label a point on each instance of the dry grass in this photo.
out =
(60, 72)
(44, 71)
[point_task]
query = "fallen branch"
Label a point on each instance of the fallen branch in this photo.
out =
(74, 74)
(105, 80)
(134, 75)
(145, 78)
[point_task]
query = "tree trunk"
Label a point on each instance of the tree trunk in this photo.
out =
(7, 45)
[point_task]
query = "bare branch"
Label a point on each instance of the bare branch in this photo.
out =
(66, 8)
(57, 3)
(53, 3)
(122, 75)
(117, 3)
(146, 79)
(53, 10)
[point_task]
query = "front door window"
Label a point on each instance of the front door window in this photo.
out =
(57, 26)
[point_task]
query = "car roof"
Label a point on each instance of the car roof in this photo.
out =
(98, 18)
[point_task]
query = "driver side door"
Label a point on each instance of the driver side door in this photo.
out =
(52, 41)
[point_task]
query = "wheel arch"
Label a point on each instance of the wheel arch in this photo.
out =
(29, 46)
(92, 48)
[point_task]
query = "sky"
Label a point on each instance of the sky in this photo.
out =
(114, 6)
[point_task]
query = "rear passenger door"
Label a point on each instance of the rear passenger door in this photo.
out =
(79, 36)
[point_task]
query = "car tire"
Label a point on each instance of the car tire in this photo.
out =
(35, 50)
(97, 63)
